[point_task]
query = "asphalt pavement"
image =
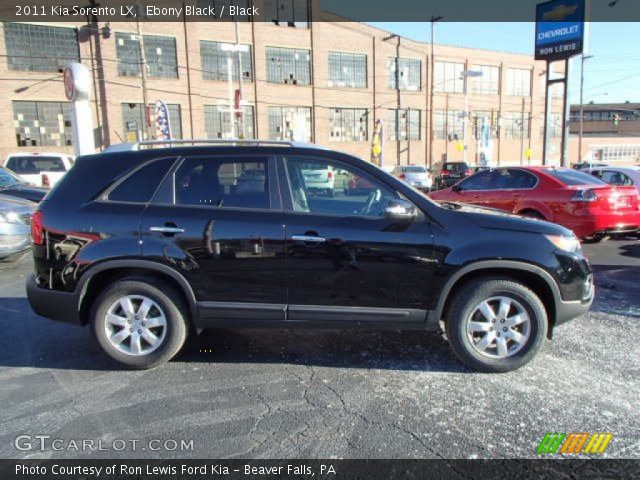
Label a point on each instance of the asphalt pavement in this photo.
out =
(322, 394)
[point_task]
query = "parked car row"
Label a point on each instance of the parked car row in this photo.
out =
(24, 181)
(588, 206)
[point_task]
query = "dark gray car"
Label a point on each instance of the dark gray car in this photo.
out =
(15, 225)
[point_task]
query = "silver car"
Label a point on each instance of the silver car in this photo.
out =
(618, 176)
(15, 225)
(415, 175)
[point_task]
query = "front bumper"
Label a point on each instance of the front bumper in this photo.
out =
(566, 311)
(53, 304)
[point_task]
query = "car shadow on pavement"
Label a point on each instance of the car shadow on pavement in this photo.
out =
(32, 341)
(368, 349)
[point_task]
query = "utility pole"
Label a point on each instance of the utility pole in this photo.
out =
(522, 134)
(143, 68)
(240, 114)
(583, 59)
(406, 132)
(434, 20)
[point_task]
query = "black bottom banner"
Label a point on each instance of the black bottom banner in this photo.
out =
(320, 469)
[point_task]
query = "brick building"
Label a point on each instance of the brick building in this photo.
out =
(325, 82)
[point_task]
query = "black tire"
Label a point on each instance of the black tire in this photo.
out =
(532, 214)
(594, 239)
(172, 305)
(462, 306)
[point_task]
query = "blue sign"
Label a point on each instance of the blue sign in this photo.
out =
(559, 29)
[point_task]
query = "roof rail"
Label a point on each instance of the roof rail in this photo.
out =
(127, 147)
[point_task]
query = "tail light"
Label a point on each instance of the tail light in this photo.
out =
(37, 228)
(584, 196)
(329, 175)
(402, 176)
(45, 180)
(444, 173)
(469, 172)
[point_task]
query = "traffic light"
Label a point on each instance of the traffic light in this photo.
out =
(616, 119)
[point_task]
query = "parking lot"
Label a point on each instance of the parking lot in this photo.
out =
(325, 394)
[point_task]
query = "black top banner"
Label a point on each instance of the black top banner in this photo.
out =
(317, 469)
(292, 12)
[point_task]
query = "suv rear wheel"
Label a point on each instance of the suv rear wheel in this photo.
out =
(496, 325)
(139, 323)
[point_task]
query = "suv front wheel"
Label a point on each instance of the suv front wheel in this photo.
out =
(139, 323)
(496, 325)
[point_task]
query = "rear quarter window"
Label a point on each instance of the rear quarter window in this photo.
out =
(140, 185)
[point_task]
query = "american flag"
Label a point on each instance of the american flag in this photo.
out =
(163, 129)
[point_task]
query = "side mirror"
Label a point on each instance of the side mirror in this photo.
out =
(399, 209)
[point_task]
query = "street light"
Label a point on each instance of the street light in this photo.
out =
(463, 76)
(583, 59)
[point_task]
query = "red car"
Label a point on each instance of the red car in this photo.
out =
(358, 186)
(574, 199)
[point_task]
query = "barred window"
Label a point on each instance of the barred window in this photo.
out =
(214, 61)
(488, 83)
(219, 5)
(160, 53)
(39, 48)
(515, 125)
(290, 123)
(288, 65)
(133, 119)
(217, 123)
(448, 77)
(404, 125)
(518, 82)
(349, 124)
(449, 124)
(408, 76)
(42, 123)
(555, 129)
(347, 70)
(291, 13)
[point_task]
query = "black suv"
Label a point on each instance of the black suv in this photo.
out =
(149, 245)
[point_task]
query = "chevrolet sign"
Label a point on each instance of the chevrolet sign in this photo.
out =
(559, 29)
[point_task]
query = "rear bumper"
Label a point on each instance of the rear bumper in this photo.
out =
(603, 224)
(53, 304)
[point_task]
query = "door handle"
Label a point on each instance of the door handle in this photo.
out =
(308, 238)
(167, 230)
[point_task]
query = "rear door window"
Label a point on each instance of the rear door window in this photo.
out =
(222, 182)
(35, 165)
(140, 185)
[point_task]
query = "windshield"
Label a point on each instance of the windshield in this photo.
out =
(455, 166)
(414, 169)
(35, 165)
(8, 179)
(574, 177)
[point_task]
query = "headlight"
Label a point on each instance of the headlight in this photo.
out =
(567, 244)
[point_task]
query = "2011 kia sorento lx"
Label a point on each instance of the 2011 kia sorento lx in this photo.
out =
(148, 244)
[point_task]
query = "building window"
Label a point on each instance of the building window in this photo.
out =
(133, 119)
(515, 125)
(42, 123)
(223, 6)
(217, 122)
(488, 83)
(555, 127)
(290, 123)
(449, 124)
(404, 124)
(448, 77)
(40, 48)
(349, 124)
(518, 82)
(484, 124)
(408, 74)
(347, 70)
(214, 61)
(160, 53)
(288, 13)
(288, 65)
